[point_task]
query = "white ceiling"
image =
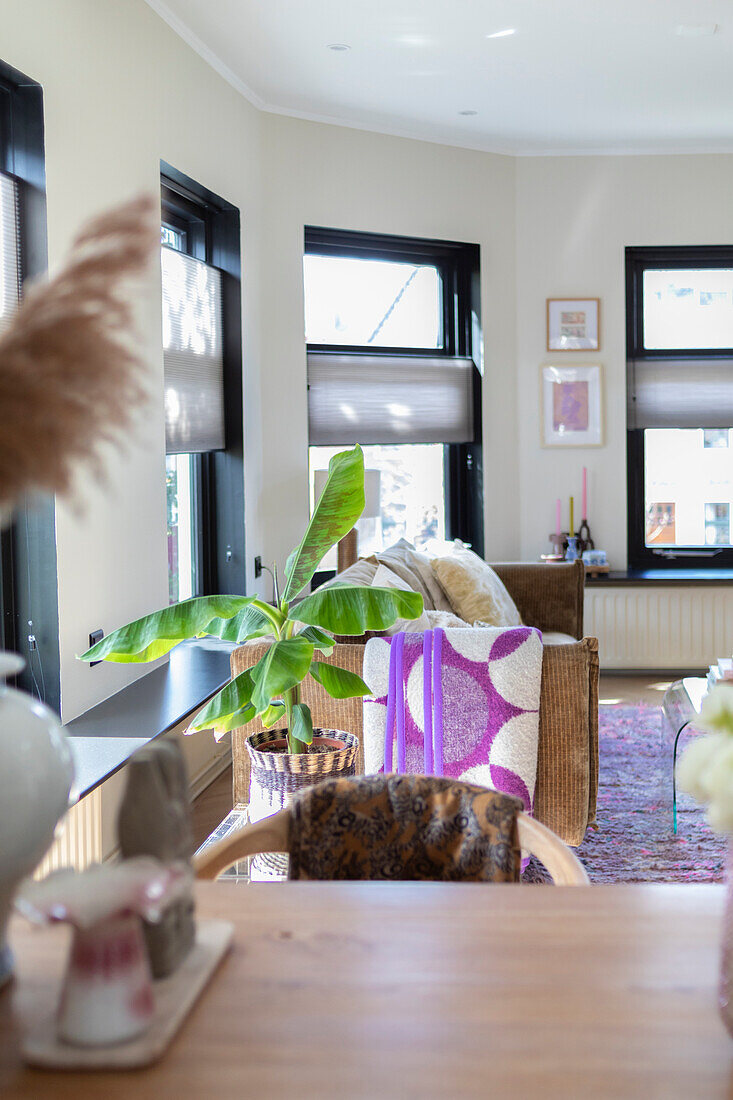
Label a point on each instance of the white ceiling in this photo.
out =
(579, 76)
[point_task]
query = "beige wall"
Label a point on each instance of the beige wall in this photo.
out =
(120, 92)
(123, 91)
(349, 179)
(575, 216)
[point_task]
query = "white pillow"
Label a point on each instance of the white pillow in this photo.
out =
(474, 590)
(445, 619)
(385, 578)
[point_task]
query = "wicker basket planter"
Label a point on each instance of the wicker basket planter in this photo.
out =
(276, 777)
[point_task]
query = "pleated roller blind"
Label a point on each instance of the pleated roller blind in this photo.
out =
(389, 399)
(192, 355)
(680, 393)
(9, 251)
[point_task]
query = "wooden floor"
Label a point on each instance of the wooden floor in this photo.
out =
(213, 804)
(630, 689)
(211, 807)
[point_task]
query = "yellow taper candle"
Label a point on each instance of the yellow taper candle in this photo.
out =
(572, 518)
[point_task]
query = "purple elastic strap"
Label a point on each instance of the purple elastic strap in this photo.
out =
(398, 643)
(391, 699)
(437, 700)
(427, 702)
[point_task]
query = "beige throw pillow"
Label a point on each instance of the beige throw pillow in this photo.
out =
(474, 589)
(385, 578)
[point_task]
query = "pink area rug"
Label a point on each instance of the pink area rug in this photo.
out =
(634, 840)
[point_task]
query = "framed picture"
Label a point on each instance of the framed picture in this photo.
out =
(573, 324)
(572, 412)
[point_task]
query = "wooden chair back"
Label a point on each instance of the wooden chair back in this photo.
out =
(272, 835)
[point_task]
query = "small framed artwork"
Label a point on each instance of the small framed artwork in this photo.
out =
(572, 407)
(573, 324)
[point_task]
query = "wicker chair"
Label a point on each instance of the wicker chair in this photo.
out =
(549, 597)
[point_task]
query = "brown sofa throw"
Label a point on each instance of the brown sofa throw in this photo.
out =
(402, 827)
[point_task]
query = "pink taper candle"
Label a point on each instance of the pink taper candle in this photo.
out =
(584, 513)
(558, 521)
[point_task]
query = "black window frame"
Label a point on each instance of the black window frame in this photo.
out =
(459, 267)
(212, 227)
(638, 260)
(29, 622)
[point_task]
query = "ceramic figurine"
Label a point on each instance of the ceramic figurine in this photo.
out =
(155, 819)
(36, 770)
(107, 995)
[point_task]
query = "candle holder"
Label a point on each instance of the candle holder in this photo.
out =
(585, 542)
(572, 553)
(559, 544)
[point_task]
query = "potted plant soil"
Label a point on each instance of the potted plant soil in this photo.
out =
(289, 753)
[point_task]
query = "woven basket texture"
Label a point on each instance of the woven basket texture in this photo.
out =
(276, 777)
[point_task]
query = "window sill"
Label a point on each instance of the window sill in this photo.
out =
(661, 576)
(105, 737)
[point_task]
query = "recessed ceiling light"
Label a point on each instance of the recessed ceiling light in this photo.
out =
(696, 30)
(468, 113)
(503, 34)
(338, 47)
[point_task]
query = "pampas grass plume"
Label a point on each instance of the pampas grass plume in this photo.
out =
(71, 369)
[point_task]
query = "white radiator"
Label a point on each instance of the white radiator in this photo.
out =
(660, 627)
(78, 840)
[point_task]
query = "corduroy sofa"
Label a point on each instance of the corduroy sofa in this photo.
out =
(549, 597)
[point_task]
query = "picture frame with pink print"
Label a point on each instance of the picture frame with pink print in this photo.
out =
(572, 406)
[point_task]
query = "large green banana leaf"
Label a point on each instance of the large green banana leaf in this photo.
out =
(340, 683)
(349, 609)
(283, 666)
(340, 505)
(230, 708)
(156, 634)
(302, 726)
(321, 641)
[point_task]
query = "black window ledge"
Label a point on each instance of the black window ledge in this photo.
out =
(105, 737)
(661, 576)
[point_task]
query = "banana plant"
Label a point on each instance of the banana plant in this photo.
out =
(271, 689)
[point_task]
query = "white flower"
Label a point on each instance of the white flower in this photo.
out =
(698, 761)
(720, 816)
(705, 770)
(716, 713)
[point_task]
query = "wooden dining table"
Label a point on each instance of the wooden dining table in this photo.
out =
(401, 990)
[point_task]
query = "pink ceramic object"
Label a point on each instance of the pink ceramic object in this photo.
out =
(107, 996)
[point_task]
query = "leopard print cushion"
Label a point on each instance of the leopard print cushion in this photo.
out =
(404, 827)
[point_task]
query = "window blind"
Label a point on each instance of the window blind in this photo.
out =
(680, 393)
(389, 399)
(192, 355)
(9, 251)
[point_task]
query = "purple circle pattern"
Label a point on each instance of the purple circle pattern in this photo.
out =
(473, 711)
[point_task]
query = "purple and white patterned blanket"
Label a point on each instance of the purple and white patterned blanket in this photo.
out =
(481, 721)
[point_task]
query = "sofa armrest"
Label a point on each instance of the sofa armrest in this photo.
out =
(567, 761)
(549, 597)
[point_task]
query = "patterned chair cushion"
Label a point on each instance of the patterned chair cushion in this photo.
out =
(402, 827)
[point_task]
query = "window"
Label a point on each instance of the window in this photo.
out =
(203, 390)
(393, 333)
(410, 491)
(28, 569)
(680, 407)
(372, 303)
(717, 524)
(715, 437)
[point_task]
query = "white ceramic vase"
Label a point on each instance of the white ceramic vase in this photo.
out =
(36, 771)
